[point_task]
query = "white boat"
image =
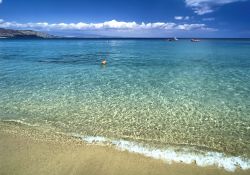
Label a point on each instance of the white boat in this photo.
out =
(173, 39)
(195, 40)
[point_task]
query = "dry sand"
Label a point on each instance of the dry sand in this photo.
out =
(25, 151)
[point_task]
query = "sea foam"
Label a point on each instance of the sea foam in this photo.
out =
(20, 122)
(169, 154)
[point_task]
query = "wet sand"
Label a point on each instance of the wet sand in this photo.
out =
(25, 150)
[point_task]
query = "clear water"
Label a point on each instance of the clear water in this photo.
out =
(151, 91)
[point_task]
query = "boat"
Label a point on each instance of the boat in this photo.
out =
(173, 39)
(195, 40)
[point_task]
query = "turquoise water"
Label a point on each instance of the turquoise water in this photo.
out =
(151, 91)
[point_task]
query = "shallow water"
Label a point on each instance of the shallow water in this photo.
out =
(151, 91)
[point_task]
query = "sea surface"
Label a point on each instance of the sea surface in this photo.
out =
(177, 101)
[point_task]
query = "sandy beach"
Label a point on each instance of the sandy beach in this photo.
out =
(25, 150)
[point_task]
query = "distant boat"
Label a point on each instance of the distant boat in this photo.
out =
(195, 40)
(173, 39)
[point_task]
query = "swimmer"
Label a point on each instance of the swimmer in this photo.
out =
(104, 62)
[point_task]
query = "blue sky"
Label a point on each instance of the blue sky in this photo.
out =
(129, 18)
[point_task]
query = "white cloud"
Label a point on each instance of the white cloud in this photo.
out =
(178, 17)
(191, 26)
(202, 7)
(208, 19)
(1, 1)
(181, 17)
(108, 25)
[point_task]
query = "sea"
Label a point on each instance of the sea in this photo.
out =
(177, 101)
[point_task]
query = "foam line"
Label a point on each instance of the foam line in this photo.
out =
(169, 155)
(20, 122)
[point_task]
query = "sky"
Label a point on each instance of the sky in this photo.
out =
(129, 18)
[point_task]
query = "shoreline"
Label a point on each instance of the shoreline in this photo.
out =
(26, 150)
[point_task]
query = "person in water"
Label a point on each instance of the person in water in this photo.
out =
(104, 62)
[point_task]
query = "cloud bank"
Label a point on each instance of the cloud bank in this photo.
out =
(108, 25)
(202, 7)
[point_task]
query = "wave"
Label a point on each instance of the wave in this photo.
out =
(169, 154)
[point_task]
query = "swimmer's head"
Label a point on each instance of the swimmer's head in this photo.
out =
(104, 62)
